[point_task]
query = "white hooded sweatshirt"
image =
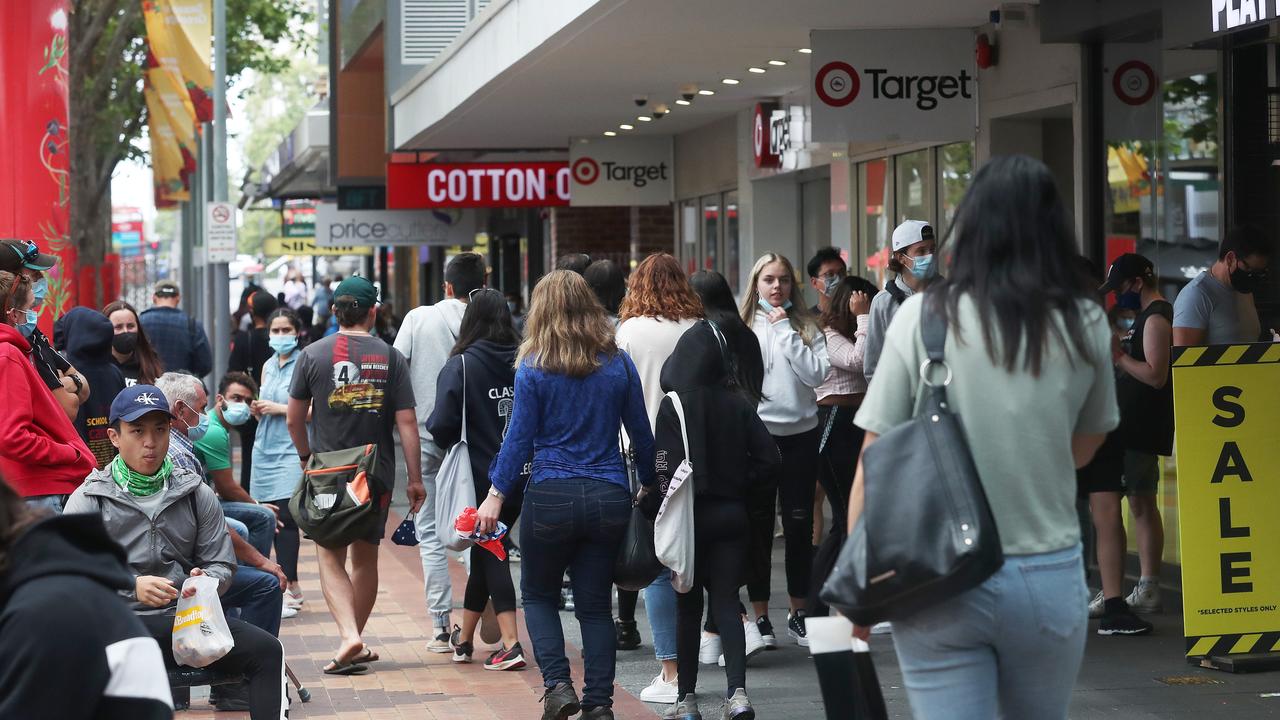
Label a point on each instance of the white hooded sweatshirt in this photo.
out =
(425, 339)
(792, 371)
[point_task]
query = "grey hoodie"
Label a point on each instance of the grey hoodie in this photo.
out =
(176, 541)
(426, 337)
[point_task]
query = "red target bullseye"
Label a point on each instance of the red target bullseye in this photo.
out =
(585, 171)
(1134, 82)
(837, 84)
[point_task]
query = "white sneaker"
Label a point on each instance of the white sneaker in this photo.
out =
(1145, 598)
(709, 649)
(660, 691)
(755, 641)
(1097, 606)
(293, 600)
(881, 628)
(288, 611)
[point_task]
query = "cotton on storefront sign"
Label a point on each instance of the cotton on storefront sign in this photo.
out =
(871, 85)
(475, 185)
(621, 171)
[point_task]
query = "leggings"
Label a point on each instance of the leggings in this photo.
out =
(287, 541)
(795, 483)
(490, 578)
(627, 604)
(720, 528)
(838, 458)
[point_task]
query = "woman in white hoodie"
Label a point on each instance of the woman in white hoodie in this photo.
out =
(795, 363)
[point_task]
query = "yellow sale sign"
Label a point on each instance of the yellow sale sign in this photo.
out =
(1227, 409)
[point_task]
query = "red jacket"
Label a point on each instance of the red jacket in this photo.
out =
(40, 451)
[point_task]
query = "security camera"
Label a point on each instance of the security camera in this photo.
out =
(641, 100)
(688, 96)
(660, 111)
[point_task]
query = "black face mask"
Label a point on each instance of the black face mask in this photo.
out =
(1248, 282)
(125, 343)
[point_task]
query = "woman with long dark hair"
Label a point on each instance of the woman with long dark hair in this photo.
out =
(477, 386)
(130, 347)
(573, 391)
(718, 304)
(795, 363)
(1027, 355)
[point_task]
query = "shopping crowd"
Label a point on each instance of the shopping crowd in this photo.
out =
(613, 391)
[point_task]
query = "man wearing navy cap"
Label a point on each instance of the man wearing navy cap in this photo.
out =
(66, 383)
(168, 520)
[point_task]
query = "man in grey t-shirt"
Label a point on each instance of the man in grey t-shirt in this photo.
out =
(358, 390)
(1207, 311)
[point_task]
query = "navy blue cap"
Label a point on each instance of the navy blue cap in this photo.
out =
(134, 402)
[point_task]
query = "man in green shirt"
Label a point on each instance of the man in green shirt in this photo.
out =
(230, 409)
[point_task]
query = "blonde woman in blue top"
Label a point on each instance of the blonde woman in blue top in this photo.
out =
(276, 472)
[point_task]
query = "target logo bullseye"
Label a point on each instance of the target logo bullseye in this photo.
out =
(1134, 82)
(837, 84)
(585, 171)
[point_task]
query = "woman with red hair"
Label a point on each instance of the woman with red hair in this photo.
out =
(659, 307)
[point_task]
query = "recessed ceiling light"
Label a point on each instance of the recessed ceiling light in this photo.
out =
(644, 118)
(778, 63)
(730, 81)
(625, 126)
(756, 70)
(683, 102)
(806, 51)
(609, 133)
(706, 92)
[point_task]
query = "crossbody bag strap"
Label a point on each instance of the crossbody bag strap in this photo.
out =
(463, 357)
(684, 432)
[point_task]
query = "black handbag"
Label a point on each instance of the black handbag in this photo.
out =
(926, 533)
(637, 565)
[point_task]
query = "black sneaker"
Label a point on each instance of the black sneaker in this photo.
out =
(628, 634)
(560, 702)
(766, 632)
(1123, 622)
(462, 651)
(506, 659)
(231, 698)
(796, 629)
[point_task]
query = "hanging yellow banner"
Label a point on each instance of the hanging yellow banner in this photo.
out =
(180, 32)
(167, 161)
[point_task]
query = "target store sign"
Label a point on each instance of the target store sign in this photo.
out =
(1131, 100)
(477, 185)
(621, 171)
(877, 85)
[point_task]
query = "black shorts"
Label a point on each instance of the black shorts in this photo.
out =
(1105, 473)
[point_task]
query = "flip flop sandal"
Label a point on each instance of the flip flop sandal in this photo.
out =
(341, 668)
(365, 656)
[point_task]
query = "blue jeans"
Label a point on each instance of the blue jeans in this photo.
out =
(577, 525)
(258, 596)
(660, 606)
(1010, 647)
(259, 521)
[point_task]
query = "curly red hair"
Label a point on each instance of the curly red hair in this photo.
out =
(659, 288)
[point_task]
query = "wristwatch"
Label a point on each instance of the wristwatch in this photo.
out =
(78, 381)
(494, 492)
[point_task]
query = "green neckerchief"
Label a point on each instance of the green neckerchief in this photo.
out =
(136, 483)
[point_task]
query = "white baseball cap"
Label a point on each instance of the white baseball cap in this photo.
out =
(911, 232)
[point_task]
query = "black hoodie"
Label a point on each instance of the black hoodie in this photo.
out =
(490, 398)
(72, 649)
(88, 336)
(727, 440)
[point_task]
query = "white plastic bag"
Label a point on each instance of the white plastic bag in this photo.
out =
(200, 632)
(455, 486)
(673, 529)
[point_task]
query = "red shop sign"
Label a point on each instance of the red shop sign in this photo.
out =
(761, 139)
(477, 185)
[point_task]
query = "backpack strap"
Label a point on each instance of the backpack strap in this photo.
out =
(895, 292)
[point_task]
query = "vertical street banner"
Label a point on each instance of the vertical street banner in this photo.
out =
(171, 111)
(1226, 410)
(186, 29)
(34, 150)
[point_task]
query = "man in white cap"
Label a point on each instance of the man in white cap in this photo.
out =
(913, 265)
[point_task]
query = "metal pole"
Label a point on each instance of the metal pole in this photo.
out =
(221, 289)
(207, 278)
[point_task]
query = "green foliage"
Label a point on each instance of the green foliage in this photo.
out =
(256, 225)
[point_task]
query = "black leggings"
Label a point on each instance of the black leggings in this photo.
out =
(720, 529)
(490, 578)
(839, 458)
(256, 655)
(627, 604)
(795, 483)
(287, 541)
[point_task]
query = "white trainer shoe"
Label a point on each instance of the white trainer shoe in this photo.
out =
(1145, 598)
(1097, 606)
(288, 611)
(709, 649)
(882, 628)
(661, 691)
(755, 642)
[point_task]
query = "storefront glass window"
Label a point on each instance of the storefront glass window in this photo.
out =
(689, 227)
(732, 264)
(913, 186)
(873, 193)
(955, 172)
(710, 231)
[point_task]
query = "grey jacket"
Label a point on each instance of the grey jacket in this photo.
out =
(883, 307)
(176, 541)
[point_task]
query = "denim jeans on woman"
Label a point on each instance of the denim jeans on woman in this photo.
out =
(575, 524)
(1010, 647)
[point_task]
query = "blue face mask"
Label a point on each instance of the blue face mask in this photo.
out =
(764, 305)
(1126, 323)
(39, 290)
(197, 431)
(283, 344)
(922, 267)
(29, 326)
(236, 413)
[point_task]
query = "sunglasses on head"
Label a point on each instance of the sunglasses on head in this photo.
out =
(27, 252)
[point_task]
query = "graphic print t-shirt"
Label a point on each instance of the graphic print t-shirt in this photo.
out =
(357, 384)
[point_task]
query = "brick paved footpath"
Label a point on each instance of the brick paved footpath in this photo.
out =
(408, 681)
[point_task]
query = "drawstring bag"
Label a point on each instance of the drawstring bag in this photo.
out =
(337, 501)
(455, 483)
(201, 635)
(673, 530)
